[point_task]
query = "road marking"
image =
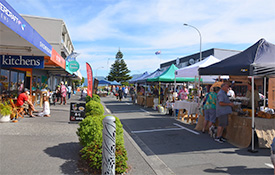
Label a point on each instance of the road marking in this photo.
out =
(269, 165)
(145, 111)
(194, 132)
(155, 130)
(167, 129)
(108, 110)
(128, 103)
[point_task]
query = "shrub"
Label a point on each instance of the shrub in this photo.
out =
(95, 98)
(94, 108)
(90, 136)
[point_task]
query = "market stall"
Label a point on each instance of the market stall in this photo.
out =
(256, 61)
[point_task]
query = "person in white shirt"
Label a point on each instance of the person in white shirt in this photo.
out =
(69, 91)
(231, 93)
(46, 108)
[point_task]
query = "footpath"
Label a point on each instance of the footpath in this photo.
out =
(49, 145)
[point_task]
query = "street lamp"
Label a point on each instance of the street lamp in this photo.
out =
(200, 37)
(97, 69)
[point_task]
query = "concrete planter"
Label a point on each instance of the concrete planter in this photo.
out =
(4, 119)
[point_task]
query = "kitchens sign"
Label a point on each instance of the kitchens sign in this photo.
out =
(36, 62)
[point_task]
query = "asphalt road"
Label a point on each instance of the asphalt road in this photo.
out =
(173, 147)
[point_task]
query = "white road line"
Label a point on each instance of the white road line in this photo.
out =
(194, 132)
(145, 111)
(128, 103)
(155, 130)
(269, 165)
(108, 110)
(167, 129)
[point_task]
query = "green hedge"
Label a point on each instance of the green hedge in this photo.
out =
(90, 136)
(94, 108)
(95, 98)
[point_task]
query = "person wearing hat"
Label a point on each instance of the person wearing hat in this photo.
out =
(23, 101)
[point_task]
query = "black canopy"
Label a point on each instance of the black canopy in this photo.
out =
(258, 59)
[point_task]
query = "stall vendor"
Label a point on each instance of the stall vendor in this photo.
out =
(249, 95)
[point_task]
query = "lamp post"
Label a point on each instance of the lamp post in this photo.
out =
(97, 69)
(199, 35)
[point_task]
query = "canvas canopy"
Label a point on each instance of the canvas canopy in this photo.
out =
(169, 76)
(258, 59)
(140, 77)
(106, 82)
(193, 70)
(156, 73)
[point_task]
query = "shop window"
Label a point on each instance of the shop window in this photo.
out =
(13, 81)
(21, 82)
(4, 80)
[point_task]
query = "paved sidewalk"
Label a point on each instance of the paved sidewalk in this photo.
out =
(49, 145)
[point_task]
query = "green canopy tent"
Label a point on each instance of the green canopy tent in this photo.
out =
(169, 76)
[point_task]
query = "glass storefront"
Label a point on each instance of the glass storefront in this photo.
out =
(11, 82)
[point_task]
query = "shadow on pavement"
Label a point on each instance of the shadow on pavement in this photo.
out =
(239, 170)
(68, 152)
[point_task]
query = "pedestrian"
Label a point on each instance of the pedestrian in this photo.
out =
(183, 93)
(132, 93)
(223, 108)
(126, 90)
(24, 101)
(63, 91)
(120, 93)
(69, 91)
(210, 110)
(46, 107)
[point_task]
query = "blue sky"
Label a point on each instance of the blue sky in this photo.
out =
(98, 28)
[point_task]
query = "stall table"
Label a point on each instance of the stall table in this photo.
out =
(190, 107)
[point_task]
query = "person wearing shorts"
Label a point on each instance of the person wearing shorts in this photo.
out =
(223, 108)
(23, 101)
(210, 109)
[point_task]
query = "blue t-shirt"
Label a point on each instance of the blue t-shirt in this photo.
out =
(222, 110)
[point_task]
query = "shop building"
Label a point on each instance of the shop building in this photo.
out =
(24, 54)
(192, 59)
(56, 33)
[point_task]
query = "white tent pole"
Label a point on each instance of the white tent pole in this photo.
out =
(175, 81)
(264, 90)
(253, 112)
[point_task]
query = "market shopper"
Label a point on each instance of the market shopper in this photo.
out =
(210, 110)
(249, 95)
(223, 108)
(25, 102)
(63, 91)
(120, 93)
(231, 93)
(46, 107)
(69, 91)
(183, 93)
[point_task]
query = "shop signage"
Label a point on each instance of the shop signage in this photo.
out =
(73, 66)
(10, 18)
(57, 59)
(22, 61)
(77, 111)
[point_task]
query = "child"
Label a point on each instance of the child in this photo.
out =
(46, 107)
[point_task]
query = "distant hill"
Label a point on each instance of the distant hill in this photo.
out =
(99, 78)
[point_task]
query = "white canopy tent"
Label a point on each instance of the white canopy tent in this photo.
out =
(192, 70)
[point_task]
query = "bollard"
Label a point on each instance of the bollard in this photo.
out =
(108, 145)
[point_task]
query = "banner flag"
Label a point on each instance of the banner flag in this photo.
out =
(90, 79)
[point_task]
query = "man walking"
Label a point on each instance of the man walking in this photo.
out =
(223, 108)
